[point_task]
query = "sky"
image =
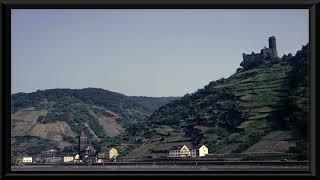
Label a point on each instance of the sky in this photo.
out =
(141, 52)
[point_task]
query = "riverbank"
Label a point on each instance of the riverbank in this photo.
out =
(168, 167)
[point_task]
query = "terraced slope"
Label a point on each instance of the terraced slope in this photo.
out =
(239, 114)
(264, 109)
(54, 118)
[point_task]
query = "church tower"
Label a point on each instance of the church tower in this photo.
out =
(82, 141)
(273, 46)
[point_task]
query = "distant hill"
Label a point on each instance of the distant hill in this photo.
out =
(54, 118)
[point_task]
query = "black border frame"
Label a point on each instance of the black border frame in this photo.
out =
(5, 99)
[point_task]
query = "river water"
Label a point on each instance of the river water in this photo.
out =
(160, 168)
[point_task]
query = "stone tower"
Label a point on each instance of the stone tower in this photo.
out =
(82, 141)
(273, 46)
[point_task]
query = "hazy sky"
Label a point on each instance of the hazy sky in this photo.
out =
(143, 52)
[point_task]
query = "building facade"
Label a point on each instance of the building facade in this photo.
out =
(107, 154)
(77, 157)
(90, 151)
(112, 153)
(184, 151)
(27, 159)
(85, 150)
(68, 159)
(179, 151)
(199, 151)
(53, 160)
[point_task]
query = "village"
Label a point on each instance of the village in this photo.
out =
(88, 154)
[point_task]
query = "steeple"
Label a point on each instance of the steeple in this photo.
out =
(82, 141)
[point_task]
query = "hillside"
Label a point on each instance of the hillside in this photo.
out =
(263, 107)
(54, 118)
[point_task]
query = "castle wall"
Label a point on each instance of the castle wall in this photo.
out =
(266, 53)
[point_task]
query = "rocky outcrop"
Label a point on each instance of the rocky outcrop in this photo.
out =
(233, 119)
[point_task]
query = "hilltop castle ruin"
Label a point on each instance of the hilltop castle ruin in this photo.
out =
(254, 59)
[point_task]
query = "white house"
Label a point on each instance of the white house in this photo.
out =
(27, 159)
(113, 153)
(76, 157)
(179, 151)
(199, 151)
(107, 153)
(184, 151)
(68, 159)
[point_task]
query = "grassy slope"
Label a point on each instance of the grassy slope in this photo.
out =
(260, 92)
(262, 95)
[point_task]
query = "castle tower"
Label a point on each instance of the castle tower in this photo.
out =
(273, 46)
(82, 141)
